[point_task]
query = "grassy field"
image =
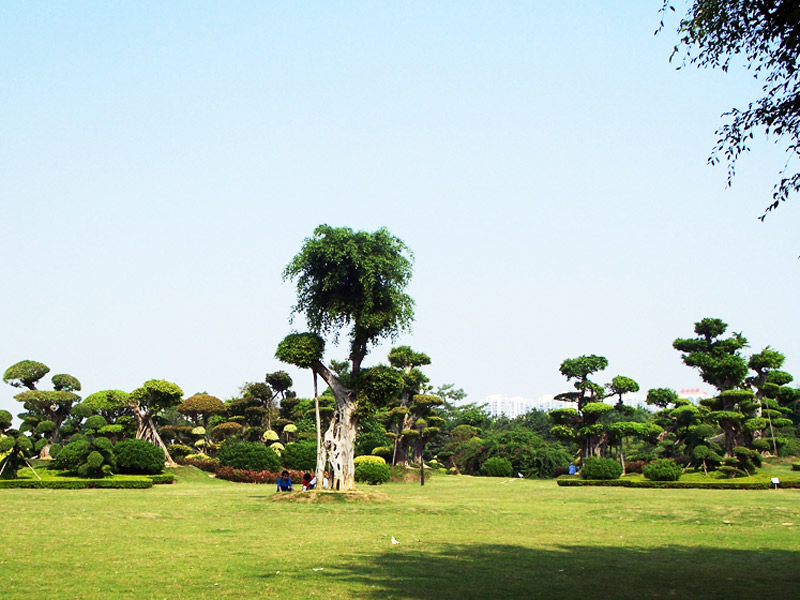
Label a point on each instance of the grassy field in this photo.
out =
(459, 537)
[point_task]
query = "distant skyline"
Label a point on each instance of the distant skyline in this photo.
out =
(162, 162)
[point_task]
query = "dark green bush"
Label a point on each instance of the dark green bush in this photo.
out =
(251, 456)
(138, 456)
(663, 469)
(497, 466)
(177, 451)
(301, 456)
(796, 466)
(601, 468)
(372, 473)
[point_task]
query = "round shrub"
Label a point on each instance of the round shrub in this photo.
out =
(385, 452)
(663, 469)
(179, 450)
(138, 456)
(301, 456)
(497, 466)
(373, 473)
(369, 458)
(601, 468)
(251, 456)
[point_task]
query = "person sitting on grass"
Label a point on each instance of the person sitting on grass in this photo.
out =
(284, 482)
(309, 482)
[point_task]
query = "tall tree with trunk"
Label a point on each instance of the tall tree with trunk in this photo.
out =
(773, 395)
(46, 410)
(582, 424)
(722, 365)
(146, 402)
(402, 419)
(355, 281)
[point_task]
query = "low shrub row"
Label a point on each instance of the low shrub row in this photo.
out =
(723, 484)
(796, 466)
(79, 484)
(239, 475)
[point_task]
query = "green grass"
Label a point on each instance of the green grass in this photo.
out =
(460, 537)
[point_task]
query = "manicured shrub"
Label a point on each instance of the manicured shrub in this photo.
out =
(663, 469)
(369, 458)
(497, 466)
(373, 473)
(385, 452)
(601, 468)
(252, 456)
(138, 456)
(179, 450)
(86, 456)
(796, 466)
(300, 455)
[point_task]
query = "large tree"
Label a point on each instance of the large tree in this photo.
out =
(762, 36)
(352, 280)
(721, 364)
(582, 424)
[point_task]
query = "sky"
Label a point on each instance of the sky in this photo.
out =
(161, 163)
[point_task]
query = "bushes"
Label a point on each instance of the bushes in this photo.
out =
(601, 468)
(796, 466)
(251, 456)
(373, 473)
(497, 466)
(369, 458)
(179, 450)
(300, 455)
(85, 456)
(138, 457)
(663, 469)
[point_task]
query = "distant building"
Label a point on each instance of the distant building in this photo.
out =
(513, 407)
(694, 395)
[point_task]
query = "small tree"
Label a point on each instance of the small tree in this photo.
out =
(146, 402)
(200, 408)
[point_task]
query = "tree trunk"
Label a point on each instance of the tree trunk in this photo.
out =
(147, 431)
(622, 456)
(340, 437)
(322, 455)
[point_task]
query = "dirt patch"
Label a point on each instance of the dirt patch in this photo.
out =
(321, 496)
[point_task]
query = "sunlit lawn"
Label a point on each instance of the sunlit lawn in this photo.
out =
(459, 537)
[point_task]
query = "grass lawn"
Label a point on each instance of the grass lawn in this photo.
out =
(460, 537)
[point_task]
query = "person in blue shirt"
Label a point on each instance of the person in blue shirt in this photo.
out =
(284, 482)
(572, 469)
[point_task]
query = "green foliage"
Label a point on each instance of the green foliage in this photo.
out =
(301, 456)
(368, 458)
(25, 373)
(177, 451)
(301, 349)
(66, 383)
(497, 466)
(251, 456)
(373, 473)
(357, 279)
(385, 452)
(718, 360)
(109, 403)
(601, 468)
(227, 429)
(88, 457)
(661, 397)
(763, 37)
(138, 457)
(663, 469)
(156, 395)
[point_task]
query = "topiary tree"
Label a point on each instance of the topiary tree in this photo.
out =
(354, 280)
(15, 447)
(372, 473)
(200, 408)
(663, 469)
(85, 455)
(146, 402)
(497, 466)
(46, 410)
(595, 467)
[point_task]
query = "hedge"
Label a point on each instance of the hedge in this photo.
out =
(81, 484)
(731, 484)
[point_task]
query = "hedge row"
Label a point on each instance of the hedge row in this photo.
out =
(81, 484)
(707, 485)
(240, 475)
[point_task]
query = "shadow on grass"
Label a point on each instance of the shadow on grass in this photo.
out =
(571, 572)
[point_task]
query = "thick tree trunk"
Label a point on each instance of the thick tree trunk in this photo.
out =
(340, 437)
(322, 454)
(146, 430)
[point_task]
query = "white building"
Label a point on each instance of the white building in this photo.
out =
(509, 407)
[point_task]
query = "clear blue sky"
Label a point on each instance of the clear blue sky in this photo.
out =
(160, 164)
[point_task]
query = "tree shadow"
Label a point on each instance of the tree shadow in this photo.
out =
(572, 572)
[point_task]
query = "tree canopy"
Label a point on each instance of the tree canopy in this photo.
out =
(765, 35)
